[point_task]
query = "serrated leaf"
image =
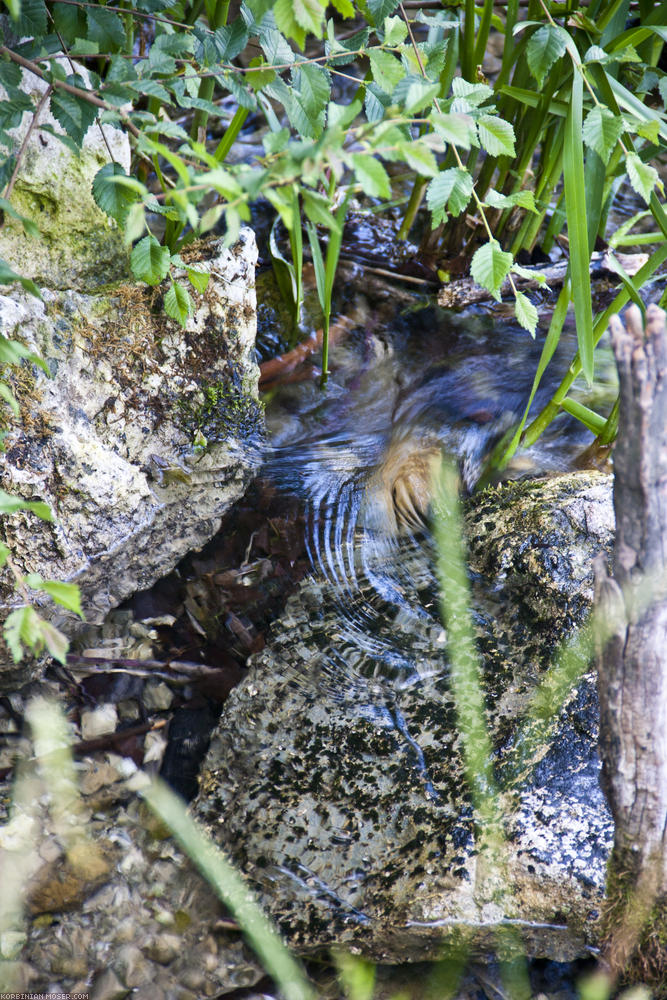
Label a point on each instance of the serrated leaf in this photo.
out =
(495, 135)
(22, 627)
(395, 30)
(418, 94)
(643, 177)
(419, 158)
(474, 93)
(113, 198)
(375, 102)
(232, 39)
(198, 279)
(75, 114)
(178, 304)
(314, 89)
(150, 261)
(55, 641)
(490, 266)
(453, 128)
(601, 131)
(379, 9)
(544, 48)
(387, 70)
(276, 48)
(371, 175)
(10, 504)
(450, 190)
(526, 313)
(275, 142)
(649, 130)
(530, 273)
(32, 19)
(295, 18)
(70, 20)
(106, 28)
(519, 199)
(67, 595)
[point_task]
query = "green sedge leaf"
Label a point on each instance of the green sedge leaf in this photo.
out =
(198, 279)
(577, 227)
(387, 70)
(113, 198)
(451, 190)
(371, 175)
(150, 261)
(178, 304)
(490, 266)
(589, 418)
(545, 47)
(495, 135)
(643, 177)
(10, 504)
(318, 264)
(526, 313)
(67, 595)
(601, 131)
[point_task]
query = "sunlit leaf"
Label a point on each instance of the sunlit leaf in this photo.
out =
(10, 504)
(113, 198)
(387, 70)
(643, 177)
(150, 261)
(526, 313)
(544, 48)
(67, 595)
(601, 131)
(490, 266)
(495, 135)
(450, 190)
(198, 279)
(371, 175)
(178, 304)
(519, 199)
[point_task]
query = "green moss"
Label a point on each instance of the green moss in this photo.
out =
(220, 411)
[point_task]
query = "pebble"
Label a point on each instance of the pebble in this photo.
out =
(98, 721)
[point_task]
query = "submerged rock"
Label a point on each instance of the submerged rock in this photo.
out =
(143, 436)
(335, 777)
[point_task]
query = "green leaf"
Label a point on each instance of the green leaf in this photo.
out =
(7, 275)
(588, 417)
(495, 135)
(10, 504)
(296, 18)
(450, 190)
(490, 266)
(371, 175)
(67, 595)
(9, 398)
(4, 554)
(344, 8)
(601, 131)
(519, 199)
(387, 70)
(22, 627)
(113, 198)
(150, 261)
(54, 640)
(318, 209)
(70, 20)
(379, 9)
(314, 88)
(544, 48)
(178, 304)
(643, 177)
(526, 313)
(419, 93)
(577, 227)
(395, 30)
(106, 28)
(198, 279)
(13, 352)
(474, 93)
(32, 20)
(419, 158)
(75, 114)
(456, 129)
(318, 263)
(275, 142)
(649, 130)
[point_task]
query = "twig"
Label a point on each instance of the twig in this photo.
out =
(141, 668)
(21, 152)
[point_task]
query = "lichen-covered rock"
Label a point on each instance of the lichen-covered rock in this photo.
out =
(79, 246)
(335, 778)
(142, 438)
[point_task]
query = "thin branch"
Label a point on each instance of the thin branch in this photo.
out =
(24, 144)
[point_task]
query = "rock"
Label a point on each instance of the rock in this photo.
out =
(335, 777)
(79, 245)
(143, 437)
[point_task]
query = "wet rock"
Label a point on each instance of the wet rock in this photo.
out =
(335, 778)
(143, 437)
(78, 245)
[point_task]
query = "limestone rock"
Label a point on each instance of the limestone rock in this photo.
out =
(142, 438)
(79, 246)
(335, 778)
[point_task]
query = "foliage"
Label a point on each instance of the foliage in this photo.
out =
(488, 156)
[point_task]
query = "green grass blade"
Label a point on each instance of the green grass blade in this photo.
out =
(231, 134)
(232, 890)
(589, 418)
(318, 263)
(575, 203)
